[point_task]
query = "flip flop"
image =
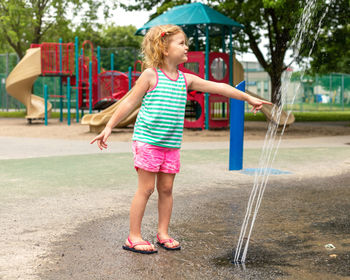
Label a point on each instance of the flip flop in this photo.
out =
(161, 243)
(132, 249)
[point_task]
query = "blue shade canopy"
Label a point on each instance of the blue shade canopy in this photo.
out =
(194, 17)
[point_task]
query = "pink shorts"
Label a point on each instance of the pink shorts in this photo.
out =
(155, 159)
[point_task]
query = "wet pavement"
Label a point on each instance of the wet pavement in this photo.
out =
(297, 218)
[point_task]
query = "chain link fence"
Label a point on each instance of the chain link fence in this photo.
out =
(320, 93)
(122, 59)
(312, 93)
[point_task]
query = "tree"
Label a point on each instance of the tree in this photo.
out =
(122, 41)
(23, 22)
(274, 20)
(331, 53)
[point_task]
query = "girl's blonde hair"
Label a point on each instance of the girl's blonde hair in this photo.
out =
(155, 42)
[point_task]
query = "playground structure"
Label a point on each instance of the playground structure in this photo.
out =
(95, 90)
(219, 106)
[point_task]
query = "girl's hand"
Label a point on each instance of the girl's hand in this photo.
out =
(102, 138)
(256, 103)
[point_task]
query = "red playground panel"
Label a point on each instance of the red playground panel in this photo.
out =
(218, 105)
(195, 64)
(136, 74)
(195, 113)
(84, 83)
(51, 63)
(112, 86)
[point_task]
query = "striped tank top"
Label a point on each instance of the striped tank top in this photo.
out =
(161, 118)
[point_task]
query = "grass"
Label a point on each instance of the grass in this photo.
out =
(332, 116)
(328, 107)
(22, 114)
(322, 116)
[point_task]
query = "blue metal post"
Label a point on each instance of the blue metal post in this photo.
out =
(130, 77)
(112, 61)
(98, 60)
(90, 87)
(68, 100)
(77, 79)
(45, 98)
(236, 131)
(207, 76)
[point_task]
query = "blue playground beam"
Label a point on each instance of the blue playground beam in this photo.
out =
(236, 131)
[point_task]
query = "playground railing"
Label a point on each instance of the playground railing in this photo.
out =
(56, 58)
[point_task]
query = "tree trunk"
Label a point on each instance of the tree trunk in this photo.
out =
(276, 89)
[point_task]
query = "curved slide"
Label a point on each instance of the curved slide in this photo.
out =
(20, 82)
(98, 121)
(267, 111)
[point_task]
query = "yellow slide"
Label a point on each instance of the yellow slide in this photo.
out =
(98, 121)
(20, 82)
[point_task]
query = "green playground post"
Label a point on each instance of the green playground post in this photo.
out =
(61, 87)
(98, 60)
(112, 61)
(68, 100)
(130, 77)
(231, 59)
(45, 98)
(207, 76)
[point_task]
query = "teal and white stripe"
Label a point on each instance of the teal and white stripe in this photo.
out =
(161, 117)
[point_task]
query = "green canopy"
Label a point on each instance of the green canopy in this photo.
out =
(194, 17)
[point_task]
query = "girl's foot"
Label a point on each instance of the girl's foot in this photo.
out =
(166, 242)
(139, 246)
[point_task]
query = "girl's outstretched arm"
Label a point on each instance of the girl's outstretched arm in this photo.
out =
(143, 84)
(198, 84)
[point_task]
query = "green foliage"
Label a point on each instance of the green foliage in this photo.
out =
(273, 20)
(123, 36)
(121, 41)
(331, 52)
(24, 22)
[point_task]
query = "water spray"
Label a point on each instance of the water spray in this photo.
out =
(269, 150)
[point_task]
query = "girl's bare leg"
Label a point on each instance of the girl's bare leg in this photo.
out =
(146, 182)
(165, 183)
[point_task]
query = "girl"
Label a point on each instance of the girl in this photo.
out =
(159, 127)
